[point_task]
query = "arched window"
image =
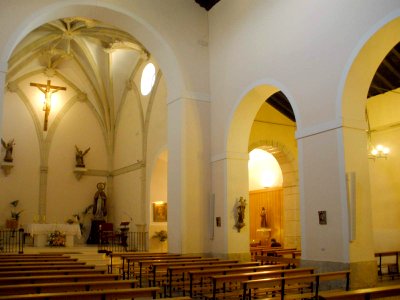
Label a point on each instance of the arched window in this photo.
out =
(148, 78)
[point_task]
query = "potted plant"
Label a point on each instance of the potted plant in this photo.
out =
(160, 235)
(13, 222)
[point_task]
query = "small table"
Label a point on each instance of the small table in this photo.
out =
(41, 231)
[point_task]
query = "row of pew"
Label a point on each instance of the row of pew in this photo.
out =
(58, 276)
(274, 273)
(278, 275)
(198, 277)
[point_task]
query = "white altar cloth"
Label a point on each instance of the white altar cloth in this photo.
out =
(41, 231)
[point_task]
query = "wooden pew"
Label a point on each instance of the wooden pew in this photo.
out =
(361, 294)
(179, 275)
(114, 255)
(393, 267)
(37, 259)
(289, 285)
(151, 265)
(129, 258)
(11, 255)
(41, 264)
(57, 278)
(200, 280)
(59, 287)
(159, 271)
(142, 263)
(92, 295)
(286, 252)
(39, 267)
(269, 260)
(277, 251)
(221, 282)
(51, 272)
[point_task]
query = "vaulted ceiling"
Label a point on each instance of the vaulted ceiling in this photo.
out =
(98, 63)
(387, 77)
(81, 40)
(207, 4)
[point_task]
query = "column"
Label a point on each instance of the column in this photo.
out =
(324, 159)
(188, 175)
(43, 192)
(2, 84)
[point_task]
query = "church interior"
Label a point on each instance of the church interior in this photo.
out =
(221, 124)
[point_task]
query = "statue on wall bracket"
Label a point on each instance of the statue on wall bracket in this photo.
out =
(7, 163)
(240, 209)
(79, 155)
(9, 147)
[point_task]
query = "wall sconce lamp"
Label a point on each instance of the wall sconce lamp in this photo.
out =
(378, 151)
(240, 208)
(47, 90)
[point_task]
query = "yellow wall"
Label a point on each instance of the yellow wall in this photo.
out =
(271, 200)
(383, 112)
(272, 128)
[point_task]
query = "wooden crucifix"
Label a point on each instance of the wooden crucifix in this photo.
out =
(47, 90)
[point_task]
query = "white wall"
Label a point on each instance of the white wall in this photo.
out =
(23, 182)
(279, 43)
(298, 47)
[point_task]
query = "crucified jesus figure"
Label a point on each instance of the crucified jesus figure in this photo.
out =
(47, 90)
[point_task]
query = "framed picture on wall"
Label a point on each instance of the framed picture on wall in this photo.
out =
(159, 212)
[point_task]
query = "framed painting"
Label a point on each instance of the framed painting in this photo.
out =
(159, 212)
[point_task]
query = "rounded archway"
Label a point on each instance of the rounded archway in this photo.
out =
(158, 196)
(353, 103)
(243, 136)
(109, 14)
(127, 22)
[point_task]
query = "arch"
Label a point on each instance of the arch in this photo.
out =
(291, 194)
(237, 148)
(283, 156)
(361, 67)
(245, 109)
(161, 154)
(351, 105)
(107, 13)
(157, 192)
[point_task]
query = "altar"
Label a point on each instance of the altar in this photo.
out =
(265, 235)
(40, 232)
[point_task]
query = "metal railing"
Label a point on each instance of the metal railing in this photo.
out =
(12, 241)
(118, 241)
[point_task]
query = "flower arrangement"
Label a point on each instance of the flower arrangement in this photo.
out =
(160, 235)
(56, 238)
(15, 214)
(80, 217)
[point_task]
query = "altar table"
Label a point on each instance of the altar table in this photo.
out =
(40, 233)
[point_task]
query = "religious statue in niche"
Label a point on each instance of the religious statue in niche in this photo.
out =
(79, 157)
(263, 216)
(9, 147)
(240, 213)
(100, 199)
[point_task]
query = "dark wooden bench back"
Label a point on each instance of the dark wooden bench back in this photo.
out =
(57, 278)
(92, 295)
(59, 287)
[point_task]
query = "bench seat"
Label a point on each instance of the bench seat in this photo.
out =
(58, 287)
